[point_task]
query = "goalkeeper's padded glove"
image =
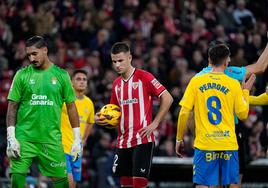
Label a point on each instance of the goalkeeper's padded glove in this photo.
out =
(13, 146)
(77, 148)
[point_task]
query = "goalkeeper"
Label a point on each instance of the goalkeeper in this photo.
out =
(35, 99)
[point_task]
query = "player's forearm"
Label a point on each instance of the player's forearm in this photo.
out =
(259, 100)
(72, 114)
(242, 115)
(87, 132)
(165, 103)
(182, 122)
(11, 113)
(261, 64)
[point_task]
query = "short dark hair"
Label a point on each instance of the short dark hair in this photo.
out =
(120, 47)
(218, 53)
(215, 43)
(36, 41)
(79, 71)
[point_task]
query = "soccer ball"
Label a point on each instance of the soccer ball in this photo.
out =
(112, 113)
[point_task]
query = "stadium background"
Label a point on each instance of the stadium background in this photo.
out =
(169, 38)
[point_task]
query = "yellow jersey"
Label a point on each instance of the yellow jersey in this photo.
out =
(215, 98)
(85, 109)
(259, 100)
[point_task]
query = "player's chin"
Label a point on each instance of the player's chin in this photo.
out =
(36, 65)
(119, 71)
(81, 89)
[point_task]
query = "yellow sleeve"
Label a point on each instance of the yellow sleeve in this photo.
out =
(259, 100)
(182, 122)
(242, 104)
(189, 95)
(187, 103)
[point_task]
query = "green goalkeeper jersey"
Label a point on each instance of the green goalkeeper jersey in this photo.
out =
(40, 94)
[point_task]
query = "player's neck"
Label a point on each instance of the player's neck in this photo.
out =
(218, 69)
(46, 65)
(79, 95)
(128, 73)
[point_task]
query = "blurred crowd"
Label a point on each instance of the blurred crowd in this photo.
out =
(169, 38)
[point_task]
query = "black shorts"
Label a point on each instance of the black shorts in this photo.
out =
(241, 150)
(133, 162)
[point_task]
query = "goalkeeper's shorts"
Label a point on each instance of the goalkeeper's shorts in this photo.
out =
(74, 167)
(211, 168)
(50, 159)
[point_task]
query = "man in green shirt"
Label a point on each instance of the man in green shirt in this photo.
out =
(33, 119)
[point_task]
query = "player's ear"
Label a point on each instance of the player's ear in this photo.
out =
(209, 60)
(130, 57)
(226, 62)
(45, 50)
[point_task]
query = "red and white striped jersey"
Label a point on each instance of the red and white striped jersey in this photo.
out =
(135, 98)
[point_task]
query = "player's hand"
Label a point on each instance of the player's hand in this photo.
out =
(100, 120)
(179, 148)
(77, 149)
(13, 146)
(249, 83)
(147, 131)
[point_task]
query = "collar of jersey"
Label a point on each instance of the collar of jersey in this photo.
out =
(40, 70)
(126, 80)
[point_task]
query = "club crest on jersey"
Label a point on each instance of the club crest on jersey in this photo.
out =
(54, 80)
(156, 84)
(135, 85)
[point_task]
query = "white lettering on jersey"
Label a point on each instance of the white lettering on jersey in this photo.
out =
(156, 84)
(40, 100)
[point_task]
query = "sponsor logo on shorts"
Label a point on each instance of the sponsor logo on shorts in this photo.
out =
(57, 164)
(219, 155)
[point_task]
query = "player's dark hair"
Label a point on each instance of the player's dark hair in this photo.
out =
(79, 71)
(120, 47)
(36, 41)
(218, 53)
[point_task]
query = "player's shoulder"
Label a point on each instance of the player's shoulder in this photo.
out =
(25, 69)
(60, 73)
(204, 71)
(141, 72)
(144, 75)
(237, 73)
(87, 99)
(117, 80)
(24, 72)
(200, 76)
(234, 69)
(232, 82)
(59, 69)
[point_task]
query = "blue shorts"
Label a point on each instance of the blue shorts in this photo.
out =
(215, 167)
(74, 167)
